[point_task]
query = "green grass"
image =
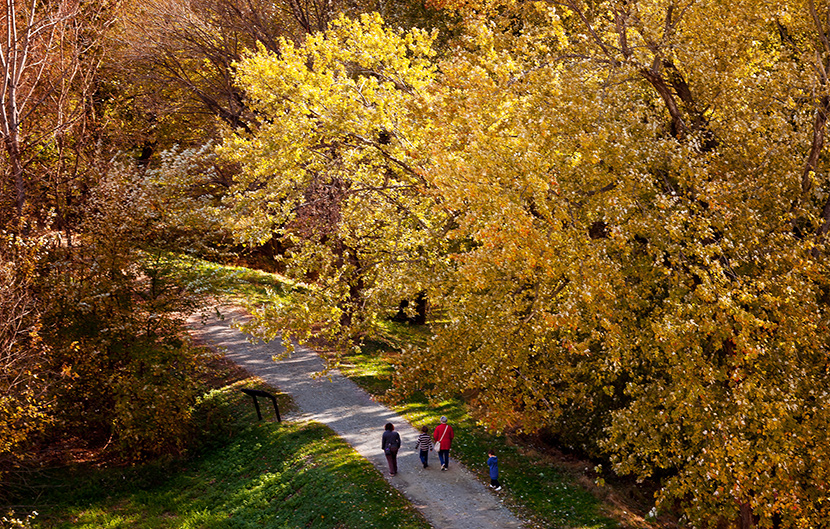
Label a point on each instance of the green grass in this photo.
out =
(235, 283)
(533, 484)
(245, 474)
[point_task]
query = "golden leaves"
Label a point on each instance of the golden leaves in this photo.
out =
(602, 243)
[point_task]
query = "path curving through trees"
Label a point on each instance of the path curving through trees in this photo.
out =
(462, 501)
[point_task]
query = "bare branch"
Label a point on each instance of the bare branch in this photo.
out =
(606, 48)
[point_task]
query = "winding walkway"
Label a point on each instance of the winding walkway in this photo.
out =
(463, 501)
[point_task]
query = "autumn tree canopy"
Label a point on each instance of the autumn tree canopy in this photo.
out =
(618, 210)
(331, 172)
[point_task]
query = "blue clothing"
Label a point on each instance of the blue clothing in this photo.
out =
(444, 457)
(493, 461)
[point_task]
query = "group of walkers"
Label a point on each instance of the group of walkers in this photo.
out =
(442, 436)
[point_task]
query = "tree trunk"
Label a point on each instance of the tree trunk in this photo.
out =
(746, 521)
(16, 165)
(815, 149)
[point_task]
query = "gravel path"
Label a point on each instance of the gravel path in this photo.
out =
(462, 501)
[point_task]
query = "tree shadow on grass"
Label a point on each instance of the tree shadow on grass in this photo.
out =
(270, 475)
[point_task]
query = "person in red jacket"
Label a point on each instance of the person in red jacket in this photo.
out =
(443, 435)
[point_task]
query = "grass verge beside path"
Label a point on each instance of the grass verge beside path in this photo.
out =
(533, 484)
(544, 490)
(246, 474)
(235, 283)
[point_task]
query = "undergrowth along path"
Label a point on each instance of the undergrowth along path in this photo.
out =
(451, 499)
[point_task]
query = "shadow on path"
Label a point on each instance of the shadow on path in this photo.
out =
(452, 499)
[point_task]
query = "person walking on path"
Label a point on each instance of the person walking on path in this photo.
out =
(443, 440)
(424, 445)
(390, 443)
(464, 502)
(493, 463)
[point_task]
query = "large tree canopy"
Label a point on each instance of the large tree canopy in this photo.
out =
(109, 111)
(619, 208)
(334, 171)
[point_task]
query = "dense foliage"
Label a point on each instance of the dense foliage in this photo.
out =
(617, 210)
(115, 316)
(23, 378)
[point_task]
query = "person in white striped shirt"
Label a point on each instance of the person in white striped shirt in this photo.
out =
(424, 445)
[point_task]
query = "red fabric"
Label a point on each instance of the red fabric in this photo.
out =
(446, 442)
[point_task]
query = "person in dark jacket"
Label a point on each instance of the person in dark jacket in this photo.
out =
(390, 443)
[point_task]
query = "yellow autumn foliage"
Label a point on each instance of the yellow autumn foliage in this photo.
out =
(23, 404)
(617, 210)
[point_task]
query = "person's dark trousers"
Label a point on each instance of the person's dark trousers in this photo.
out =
(444, 457)
(392, 459)
(424, 457)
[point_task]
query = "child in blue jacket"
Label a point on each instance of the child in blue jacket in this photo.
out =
(493, 462)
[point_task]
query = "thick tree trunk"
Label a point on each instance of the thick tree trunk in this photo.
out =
(678, 126)
(819, 126)
(673, 89)
(810, 167)
(825, 215)
(746, 521)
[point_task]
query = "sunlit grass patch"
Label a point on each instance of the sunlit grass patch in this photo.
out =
(368, 370)
(399, 333)
(248, 473)
(235, 283)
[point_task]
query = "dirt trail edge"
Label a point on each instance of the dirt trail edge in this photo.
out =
(451, 499)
